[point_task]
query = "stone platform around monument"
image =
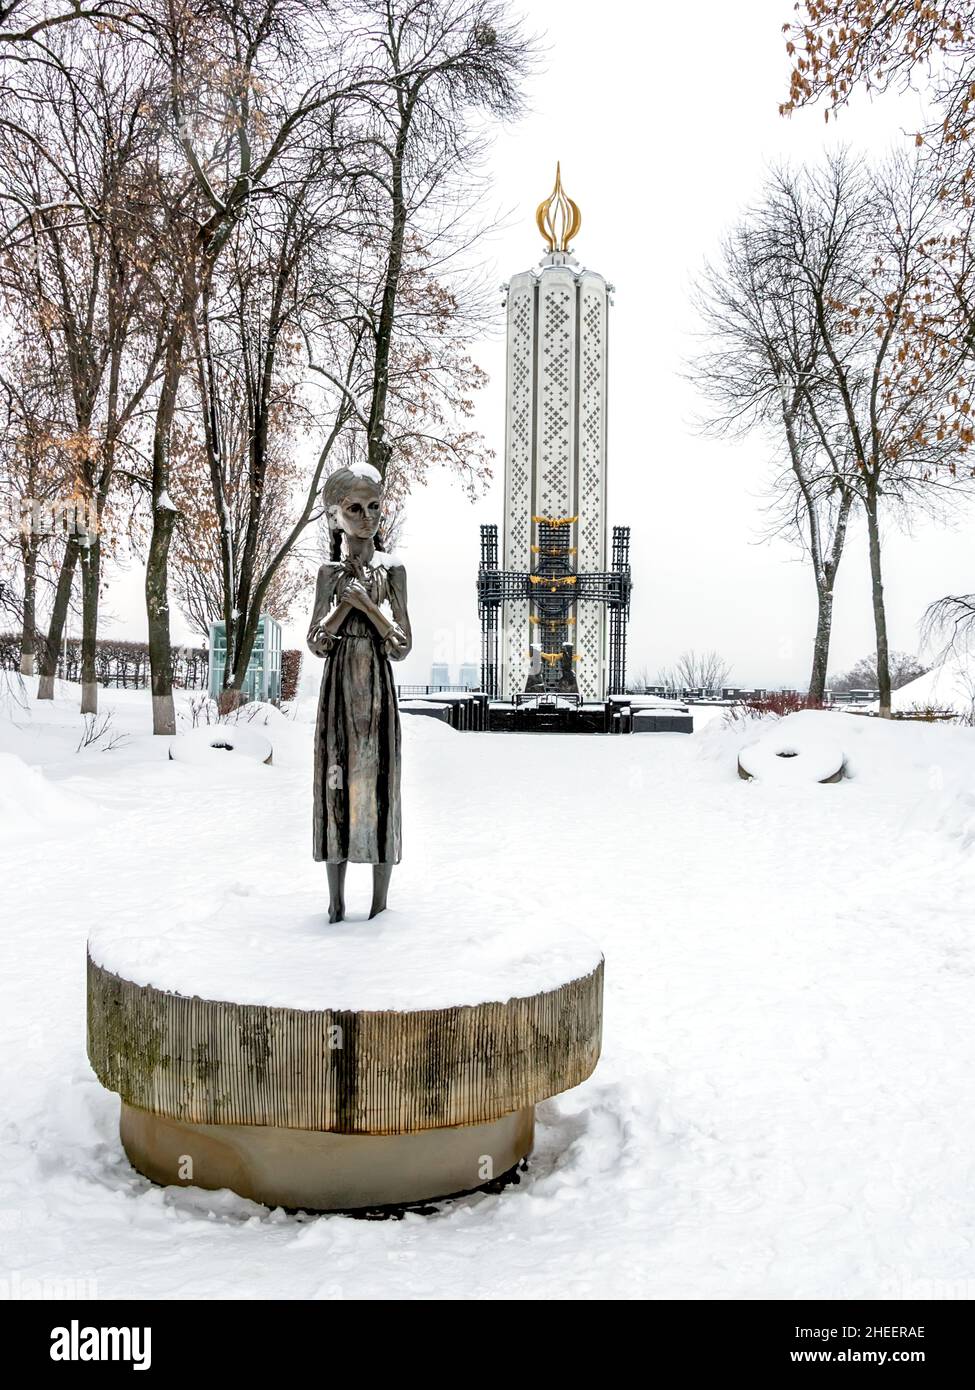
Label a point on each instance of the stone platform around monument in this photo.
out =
(550, 713)
(330, 1068)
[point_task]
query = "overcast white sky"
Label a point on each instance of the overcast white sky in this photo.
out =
(664, 118)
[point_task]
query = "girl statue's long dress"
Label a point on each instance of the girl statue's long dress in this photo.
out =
(357, 738)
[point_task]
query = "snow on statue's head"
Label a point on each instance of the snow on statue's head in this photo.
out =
(353, 500)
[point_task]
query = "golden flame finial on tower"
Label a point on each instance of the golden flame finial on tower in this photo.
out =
(558, 217)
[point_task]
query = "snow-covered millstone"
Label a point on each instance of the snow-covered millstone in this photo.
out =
(791, 756)
(327, 1068)
(209, 742)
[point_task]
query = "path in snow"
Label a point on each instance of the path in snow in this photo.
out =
(783, 1107)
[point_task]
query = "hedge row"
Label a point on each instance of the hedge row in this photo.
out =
(118, 663)
(126, 664)
(290, 673)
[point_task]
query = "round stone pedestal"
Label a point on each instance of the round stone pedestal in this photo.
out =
(416, 1083)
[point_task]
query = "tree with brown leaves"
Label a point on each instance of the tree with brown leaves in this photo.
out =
(353, 256)
(839, 47)
(374, 107)
(33, 482)
(76, 157)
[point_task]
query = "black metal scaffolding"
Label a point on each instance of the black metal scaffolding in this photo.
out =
(552, 590)
(619, 613)
(488, 609)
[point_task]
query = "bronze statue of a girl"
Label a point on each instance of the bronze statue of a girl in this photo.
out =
(357, 737)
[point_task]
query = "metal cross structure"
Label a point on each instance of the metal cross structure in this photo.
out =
(552, 591)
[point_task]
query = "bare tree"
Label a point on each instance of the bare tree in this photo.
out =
(358, 242)
(27, 25)
(439, 67)
(840, 49)
(299, 74)
(766, 367)
(250, 413)
(882, 396)
(76, 158)
(32, 478)
(228, 127)
(383, 100)
(896, 363)
(640, 682)
(707, 671)
(950, 621)
(862, 675)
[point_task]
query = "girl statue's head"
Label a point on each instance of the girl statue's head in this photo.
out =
(353, 500)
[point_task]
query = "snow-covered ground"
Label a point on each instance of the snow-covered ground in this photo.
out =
(784, 1103)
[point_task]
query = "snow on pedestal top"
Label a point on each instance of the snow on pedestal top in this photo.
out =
(283, 952)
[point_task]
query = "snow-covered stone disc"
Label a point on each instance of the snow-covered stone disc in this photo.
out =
(201, 746)
(791, 757)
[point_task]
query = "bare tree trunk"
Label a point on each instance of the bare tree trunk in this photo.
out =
(379, 450)
(164, 521)
(825, 584)
(879, 610)
(28, 641)
(820, 661)
(157, 613)
(59, 615)
(232, 695)
(90, 574)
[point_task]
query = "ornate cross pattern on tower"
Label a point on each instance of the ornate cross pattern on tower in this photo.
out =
(553, 611)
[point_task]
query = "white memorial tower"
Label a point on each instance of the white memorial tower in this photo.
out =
(555, 456)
